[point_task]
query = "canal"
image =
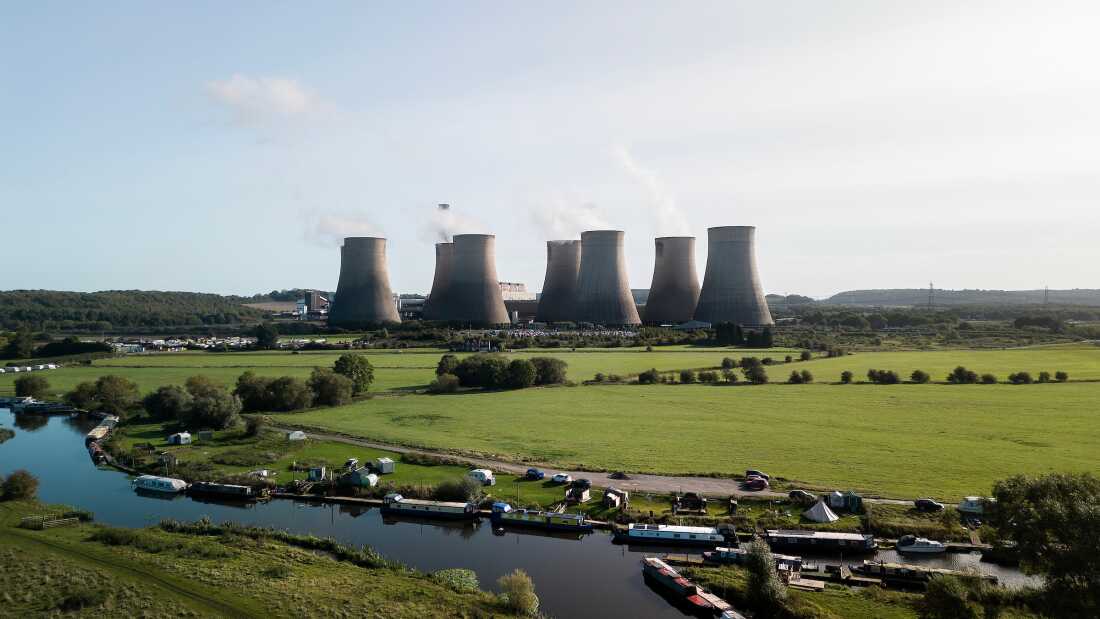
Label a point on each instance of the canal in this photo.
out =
(584, 576)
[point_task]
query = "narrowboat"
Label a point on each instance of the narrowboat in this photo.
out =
(233, 491)
(737, 556)
(820, 541)
(394, 503)
(682, 590)
(674, 535)
(504, 515)
(152, 483)
(901, 574)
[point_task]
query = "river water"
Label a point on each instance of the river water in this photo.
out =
(584, 576)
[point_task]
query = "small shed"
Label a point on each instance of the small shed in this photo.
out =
(820, 512)
(180, 438)
(847, 501)
(613, 497)
(383, 466)
(316, 473)
(577, 494)
(296, 435)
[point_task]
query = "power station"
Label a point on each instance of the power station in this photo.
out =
(674, 291)
(731, 286)
(603, 292)
(444, 260)
(559, 287)
(473, 293)
(363, 294)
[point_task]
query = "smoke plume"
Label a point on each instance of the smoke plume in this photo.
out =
(566, 219)
(668, 220)
(445, 223)
(329, 229)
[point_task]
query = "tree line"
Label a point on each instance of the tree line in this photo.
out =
(495, 371)
(51, 310)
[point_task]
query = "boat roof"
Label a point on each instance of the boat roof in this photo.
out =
(673, 528)
(405, 501)
(816, 534)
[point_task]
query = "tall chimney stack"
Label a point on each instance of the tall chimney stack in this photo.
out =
(603, 290)
(363, 294)
(675, 287)
(559, 288)
(731, 287)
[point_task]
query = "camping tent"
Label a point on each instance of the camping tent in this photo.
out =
(296, 435)
(820, 512)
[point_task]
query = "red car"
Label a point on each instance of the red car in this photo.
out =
(755, 483)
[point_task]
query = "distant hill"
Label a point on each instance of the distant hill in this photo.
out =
(903, 297)
(114, 309)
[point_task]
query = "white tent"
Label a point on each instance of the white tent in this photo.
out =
(820, 512)
(296, 435)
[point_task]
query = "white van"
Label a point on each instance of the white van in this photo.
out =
(485, 476)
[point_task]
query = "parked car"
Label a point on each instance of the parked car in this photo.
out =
(756, 473)
(535, 474)
(928, 505)
(801, 496)
(581, 482)
(756, 483)
(561, 478)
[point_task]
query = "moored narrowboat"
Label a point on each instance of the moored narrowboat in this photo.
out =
(821, 541)
(901, 574)
(394, 503)
(682, 590)
(738, 556)
(233, 491)
(675, 535)
(504, 514)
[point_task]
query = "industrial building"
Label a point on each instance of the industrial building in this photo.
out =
(674, 291)
(731, 289)
(363, 294)
(603, 289)
(559, 287)
(471, 289)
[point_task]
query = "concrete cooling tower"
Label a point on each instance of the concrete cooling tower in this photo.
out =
(363, 294)
(603, 292)
(675, 288)
(559, 288)
(731, 287)
(444, 259)
(473, 295)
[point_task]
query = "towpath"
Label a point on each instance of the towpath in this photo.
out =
(638, 482)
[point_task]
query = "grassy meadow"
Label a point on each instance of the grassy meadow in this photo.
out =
(901, 440)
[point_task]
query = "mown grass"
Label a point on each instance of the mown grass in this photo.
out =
(903, 440)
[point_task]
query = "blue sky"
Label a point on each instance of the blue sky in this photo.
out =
(226, 147)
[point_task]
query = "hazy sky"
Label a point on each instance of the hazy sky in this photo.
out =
(226, 147)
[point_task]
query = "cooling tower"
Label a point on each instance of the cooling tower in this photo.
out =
(675, 288)
(444, 258)
(363, 295)
(731, 288)
(473, 295)
(603, 293)
(559, 289)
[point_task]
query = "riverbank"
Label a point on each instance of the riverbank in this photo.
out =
(129, 572)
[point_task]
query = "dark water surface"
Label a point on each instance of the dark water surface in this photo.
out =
(585, 577)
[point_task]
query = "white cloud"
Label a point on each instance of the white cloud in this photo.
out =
(254, 99)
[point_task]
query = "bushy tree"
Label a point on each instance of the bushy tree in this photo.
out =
(648, 377)
(200, 385)
(728, 364)
(729, 375)
(1053, 520)
(357, 369)
(290, 394)
(766, 591)
(846, 377)
(19, 485)
(493, 372)
(755, 374)
(447, 364)
(254, 425)
(111, 394)
(19, 346)
(1020, 378)
(33, 386)
(989, 379)
(708, 377)
(948, 598)
(599, 377)
(687, 376)
(169, 402)
(1044, 377)
(883, 377)
(216, 408)
(962, 376)
(253, 391)
(1061, 376)
(795, 378)
(807, 377)
(521, 374)
(462, 489)
(920, 377)
(267, 336)
(518, 593)
(330, 388)
(444, 383)
(549, 370)
(805, 355)
(82, 396)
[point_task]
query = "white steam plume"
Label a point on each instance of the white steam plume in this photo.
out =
(445, 223)
(329, 229)
(566, 219)
(667, 217)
